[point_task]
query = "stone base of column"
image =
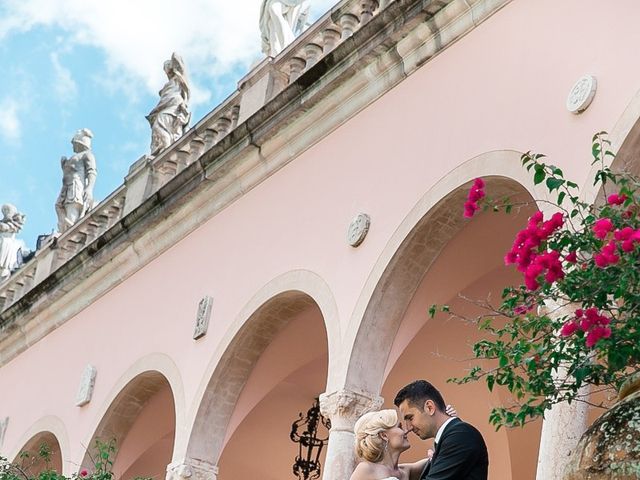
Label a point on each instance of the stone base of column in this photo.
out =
(191, 469)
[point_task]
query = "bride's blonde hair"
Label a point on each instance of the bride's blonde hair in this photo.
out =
(369, 444)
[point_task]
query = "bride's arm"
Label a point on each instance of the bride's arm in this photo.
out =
(414, 469)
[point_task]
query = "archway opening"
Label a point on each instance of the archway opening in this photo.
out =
(446, 260)
(41, 453)
(283, 354)
(142, 423)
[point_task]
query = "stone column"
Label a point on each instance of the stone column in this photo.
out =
(191, 469)
(562, 428)
(343, 408)
(563, 425)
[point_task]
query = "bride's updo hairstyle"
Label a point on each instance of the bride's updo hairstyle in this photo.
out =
(369, 443)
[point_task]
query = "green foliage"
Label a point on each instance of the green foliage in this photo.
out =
(523, 349)
(37, 466)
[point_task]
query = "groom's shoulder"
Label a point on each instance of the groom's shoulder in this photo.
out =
(461, 427)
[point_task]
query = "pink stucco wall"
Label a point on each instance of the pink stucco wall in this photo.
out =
(503, 86)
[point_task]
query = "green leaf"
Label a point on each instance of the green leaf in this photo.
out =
(539, 176)
(561, 196)
(554, 183)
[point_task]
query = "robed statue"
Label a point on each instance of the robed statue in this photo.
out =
(170, 117)
(281, 21)
(11, 248)
(78, 179)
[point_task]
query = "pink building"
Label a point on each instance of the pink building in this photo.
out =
(386, 110)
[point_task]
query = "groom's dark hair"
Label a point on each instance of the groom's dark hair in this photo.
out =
(418, 392)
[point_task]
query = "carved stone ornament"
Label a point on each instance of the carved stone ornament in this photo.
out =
(191, 469)
(87, 382)
(581, 94)
(202, 318)
(358, 229)
(3, 428)
(344, 407)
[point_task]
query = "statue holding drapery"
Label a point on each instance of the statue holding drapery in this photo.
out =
(170, 117)
(11, 248)
(281, 21)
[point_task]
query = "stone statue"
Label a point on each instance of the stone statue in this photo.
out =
(78, 178)
(11, 248)
(170, 117)
(280, 22)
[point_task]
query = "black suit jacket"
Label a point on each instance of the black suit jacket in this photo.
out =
(461, 454)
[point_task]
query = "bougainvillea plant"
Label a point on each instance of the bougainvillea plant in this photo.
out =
(575, 320)
(38, 465)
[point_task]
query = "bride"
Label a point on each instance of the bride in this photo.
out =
(380, 439)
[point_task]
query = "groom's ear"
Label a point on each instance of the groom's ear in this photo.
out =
(430, 407)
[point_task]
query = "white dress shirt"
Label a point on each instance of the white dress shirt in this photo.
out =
(441, 429)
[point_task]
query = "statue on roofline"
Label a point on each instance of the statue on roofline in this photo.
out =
(281, 21)
(11, 248)
(170, 117)
(78, 179)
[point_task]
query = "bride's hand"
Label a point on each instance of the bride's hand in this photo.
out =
(430, 453)
(451, 411)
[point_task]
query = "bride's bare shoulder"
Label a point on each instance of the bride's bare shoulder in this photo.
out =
(365, 471)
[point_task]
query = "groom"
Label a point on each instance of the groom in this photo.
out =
(460, 451)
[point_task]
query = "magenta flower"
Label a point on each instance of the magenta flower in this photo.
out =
(569, 328)
(602, 227)
(476, 193)
(571, 257)
(616, 199)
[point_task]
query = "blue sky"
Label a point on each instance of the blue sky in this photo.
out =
(73, 64)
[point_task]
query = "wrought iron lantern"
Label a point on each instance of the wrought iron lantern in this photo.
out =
(310, 445)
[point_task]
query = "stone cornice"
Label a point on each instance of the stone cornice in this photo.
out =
(393, 44)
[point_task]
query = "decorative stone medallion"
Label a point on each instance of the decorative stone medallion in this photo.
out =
(358, 229)
(581, 94)
(87, 382)
(202, 318)
(3, 428)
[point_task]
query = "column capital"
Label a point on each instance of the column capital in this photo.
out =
(347, 405)
(191, 469)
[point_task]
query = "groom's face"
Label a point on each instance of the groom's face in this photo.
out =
(418, 420)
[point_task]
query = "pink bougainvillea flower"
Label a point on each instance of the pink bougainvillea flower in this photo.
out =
(571, 257)
(627, 246)
(623, 234)
(476, 193)
(470, 208)
(84, 473)
(569, 328)
(602, 227)
(607, 255)
(616, 199)
(596, 334)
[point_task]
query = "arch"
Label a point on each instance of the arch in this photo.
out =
(261, 319)
(119, 410)
(50, 426)
(417, 242)
(625, 140)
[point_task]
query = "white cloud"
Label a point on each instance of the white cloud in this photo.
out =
(10, 125)
(64, 85)
(213, 36)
